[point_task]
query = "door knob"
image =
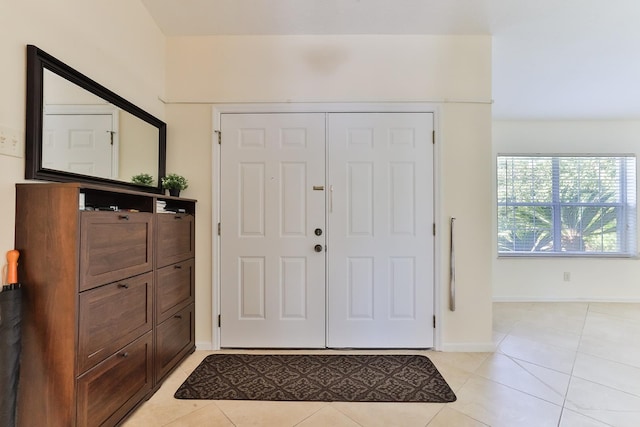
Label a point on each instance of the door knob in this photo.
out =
(317, 248)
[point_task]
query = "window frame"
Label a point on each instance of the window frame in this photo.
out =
(626, 222)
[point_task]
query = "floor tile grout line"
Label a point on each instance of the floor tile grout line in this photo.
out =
(455, 410)
(617, 317)
(607, 386)
(586, 416)
(573, 366)
(451, 403)
(320, 409)
(213, 403)
(498, 342)
(535, 376)
(224, 413)
(535, 363)
(546, 344)
(436, 414)
(562, 407)
(578, 336)
(605, 359)
(517, 390)
(346, 415)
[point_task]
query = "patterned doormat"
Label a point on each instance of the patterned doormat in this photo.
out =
(327, 378)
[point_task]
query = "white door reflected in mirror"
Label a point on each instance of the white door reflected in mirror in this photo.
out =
(84, 134)
(81, 143)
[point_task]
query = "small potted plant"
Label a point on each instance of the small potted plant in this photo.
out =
(142, 179)
(174, 183)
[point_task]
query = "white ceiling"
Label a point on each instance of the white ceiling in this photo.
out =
(552, 59)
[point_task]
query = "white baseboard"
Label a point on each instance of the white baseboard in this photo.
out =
(476, 347)
(563, 299)
(204, 345)
(451, 347)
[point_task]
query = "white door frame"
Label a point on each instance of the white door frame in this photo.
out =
(409, 107)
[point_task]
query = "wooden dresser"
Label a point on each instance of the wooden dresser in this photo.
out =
(108, 300)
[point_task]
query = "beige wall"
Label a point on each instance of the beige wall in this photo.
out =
(115, 43)
(466, 194)
(542, 278)
(138, 151)
(207, 70)
(189, 136)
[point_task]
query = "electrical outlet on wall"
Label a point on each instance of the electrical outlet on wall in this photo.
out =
(11, 142)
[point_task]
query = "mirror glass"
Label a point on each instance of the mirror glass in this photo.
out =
(78, 130)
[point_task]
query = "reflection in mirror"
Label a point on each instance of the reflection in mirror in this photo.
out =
(84, 134)
(77, 130)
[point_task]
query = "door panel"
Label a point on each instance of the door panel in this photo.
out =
(79, 143)
(360, 198)
(380, 244)
(272, 280)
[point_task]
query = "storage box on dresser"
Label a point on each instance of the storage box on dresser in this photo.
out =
(108, 300)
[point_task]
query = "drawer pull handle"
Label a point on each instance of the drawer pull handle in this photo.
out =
(123, 285)
(178, 316)
(125, 354)
(125, 217)
(177, 267)
(177, 217)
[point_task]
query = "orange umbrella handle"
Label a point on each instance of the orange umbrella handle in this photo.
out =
(12, 266)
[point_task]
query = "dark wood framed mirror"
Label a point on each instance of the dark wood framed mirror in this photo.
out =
(79, 131)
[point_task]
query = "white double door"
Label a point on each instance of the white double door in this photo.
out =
(326, 230)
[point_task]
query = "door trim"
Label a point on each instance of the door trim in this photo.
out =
(356, 107)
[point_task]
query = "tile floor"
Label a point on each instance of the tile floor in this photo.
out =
(556, 364)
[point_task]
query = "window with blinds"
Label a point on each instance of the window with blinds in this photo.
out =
(566, 205)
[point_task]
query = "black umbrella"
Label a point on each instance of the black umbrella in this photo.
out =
(10, 332)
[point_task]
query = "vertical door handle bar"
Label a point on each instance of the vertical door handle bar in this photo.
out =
(452, 268)
(331, 199)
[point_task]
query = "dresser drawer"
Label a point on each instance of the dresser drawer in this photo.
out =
(175, 238)
(175, 286)
(109, 391)
(112, 316)
(174, 339)
(113, 246)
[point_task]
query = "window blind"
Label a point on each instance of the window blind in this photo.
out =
(566, 204)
